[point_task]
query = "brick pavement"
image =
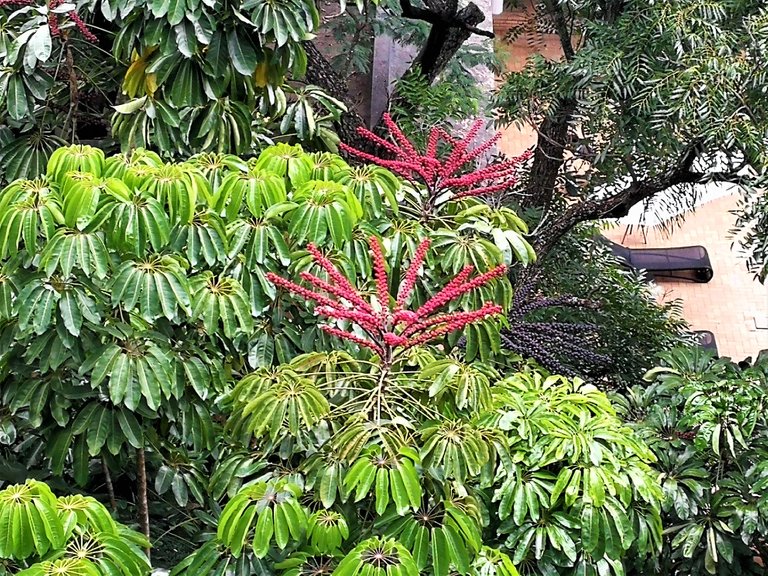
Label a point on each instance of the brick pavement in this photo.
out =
(732, 303)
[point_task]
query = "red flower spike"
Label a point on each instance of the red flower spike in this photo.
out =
(379, 272)
(440, 176)
(392, 328)
(338, 277)
(412, 272)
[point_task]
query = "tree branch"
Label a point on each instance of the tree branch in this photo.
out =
(619, 204)
(563, 30)
(416, 13)
(445, 16)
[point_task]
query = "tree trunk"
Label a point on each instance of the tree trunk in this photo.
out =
(110, 486)
(143, 503)
(321, 73)
(444, 40)
(448, 33)
(548, 156)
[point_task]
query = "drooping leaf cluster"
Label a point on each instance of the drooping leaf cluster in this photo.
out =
(72, 535)
(178, 76)
(705, 421)
(134, 293)
(433, 466)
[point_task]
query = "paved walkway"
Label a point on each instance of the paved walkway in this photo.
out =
(732, 305)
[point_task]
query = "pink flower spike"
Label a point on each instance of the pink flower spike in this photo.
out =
(442, 297)
(413, 272)
(339, 291)
(300, 290)
(456, 324)
(352, 338)
(379, 272)
(398, 135)
(336, 276)
(365, 321)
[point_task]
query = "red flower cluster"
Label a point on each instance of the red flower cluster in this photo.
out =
(53, 22)
(440, 175)
(53, 19)
(387, 324)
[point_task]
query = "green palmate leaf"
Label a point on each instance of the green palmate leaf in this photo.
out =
(263, 512)
(29, 209)
(469, 385)
(28, 521)
(440, 535)
(259, 189)
(177, 187)
(36, 304)
(378, 557)
(75, 158)
(204, 241)
(138, 223)
(220, 302)
(156, 287)
(262, 243)
(301, 563)
(80, 193)
(85, 513)
(130, 166)
(133, 371)
(63, 566)
(391, 479)
(216, 166)
(277, 403)
(454, 449)
(70, 250)
(325, 211)
(326, 531)
(375, 188)
(288, 161)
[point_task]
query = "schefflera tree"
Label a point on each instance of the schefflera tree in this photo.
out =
(134, 293)
(396, 458)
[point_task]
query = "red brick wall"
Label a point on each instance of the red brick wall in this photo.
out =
(516, 139)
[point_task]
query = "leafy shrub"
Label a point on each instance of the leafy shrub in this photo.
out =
(705, 420)
(134, 294)
(605, 318)
(414, 462)
(43, 535)
(180, 77)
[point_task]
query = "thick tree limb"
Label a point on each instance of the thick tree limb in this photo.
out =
(562, 27)
(548, 156)
(450, 29)
(619, 204)
(321, 73)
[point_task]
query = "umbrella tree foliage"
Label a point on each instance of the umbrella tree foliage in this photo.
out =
(413, 462)
(185, 77)
(134, 291)
(148, 339)
(705, 420)
(42, 535)
(182, 76)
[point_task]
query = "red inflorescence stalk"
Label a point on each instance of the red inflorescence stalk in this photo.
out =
(442, 175)
(413, 271)
(392, 327)
(53, 22)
